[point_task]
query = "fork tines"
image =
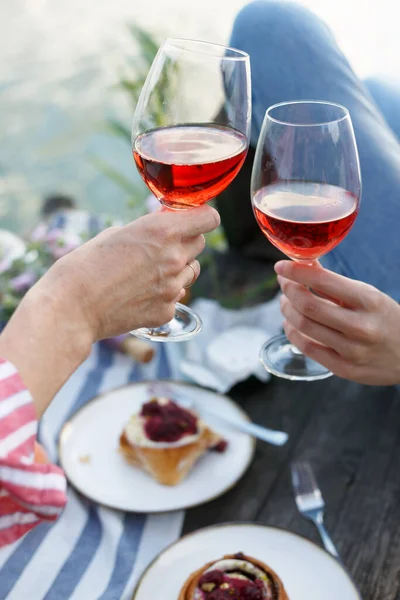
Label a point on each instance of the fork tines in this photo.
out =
(305, 485)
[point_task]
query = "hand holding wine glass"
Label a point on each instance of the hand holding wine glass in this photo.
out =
(190, 136)
(306, 189)
(349, 326)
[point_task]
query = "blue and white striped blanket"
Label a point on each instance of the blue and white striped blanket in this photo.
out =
(91, 552)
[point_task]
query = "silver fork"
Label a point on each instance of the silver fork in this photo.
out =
(310, 502)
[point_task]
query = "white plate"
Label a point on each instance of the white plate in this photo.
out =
(307, 571)
(90, 458)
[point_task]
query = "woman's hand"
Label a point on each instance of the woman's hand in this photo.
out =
(350, 327)
(129, 277)
(126, 277)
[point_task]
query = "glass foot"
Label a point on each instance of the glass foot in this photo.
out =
(183, 326)
(284, 360)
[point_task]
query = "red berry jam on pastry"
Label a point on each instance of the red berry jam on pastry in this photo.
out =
(234, 577)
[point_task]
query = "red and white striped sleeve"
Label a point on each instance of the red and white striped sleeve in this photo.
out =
(29, 492)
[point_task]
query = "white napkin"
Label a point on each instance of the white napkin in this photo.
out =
(226, 351)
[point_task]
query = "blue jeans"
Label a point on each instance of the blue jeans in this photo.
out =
(294, 56)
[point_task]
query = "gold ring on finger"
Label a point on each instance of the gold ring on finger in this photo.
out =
(193, 278)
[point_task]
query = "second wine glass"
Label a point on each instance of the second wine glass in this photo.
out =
(190, 136)
(306, 189)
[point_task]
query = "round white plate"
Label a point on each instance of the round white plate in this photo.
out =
(307, 571)
(90, 458)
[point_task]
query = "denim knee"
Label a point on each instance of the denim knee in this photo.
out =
(261, 16)
(287, 45)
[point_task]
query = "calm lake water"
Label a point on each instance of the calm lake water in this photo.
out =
(59, 61)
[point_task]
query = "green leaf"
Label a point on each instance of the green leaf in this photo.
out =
(238, 300)
(133, 87)
(116, 176)
(147, 44)
(137, 204)
(216, 239)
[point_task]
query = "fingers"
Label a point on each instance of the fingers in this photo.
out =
(194, 246)
(189, 274)
(179, 226)
(181, 295)
(330, 359)
(324, 335)
(350, 322)
(318, 352)
(345, 291)
(193, 222)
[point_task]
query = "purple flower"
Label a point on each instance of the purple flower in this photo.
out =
(39, 234)
(62, 242)
(54, 236)
(23, 282)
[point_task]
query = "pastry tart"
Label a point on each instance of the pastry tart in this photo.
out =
(166, 440)
(234, 577)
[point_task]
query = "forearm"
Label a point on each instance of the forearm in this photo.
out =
(46, 341)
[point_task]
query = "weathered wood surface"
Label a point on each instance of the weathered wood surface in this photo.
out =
(351, 435)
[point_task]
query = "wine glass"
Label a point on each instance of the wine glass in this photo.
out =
(190, 136)
(305, 190)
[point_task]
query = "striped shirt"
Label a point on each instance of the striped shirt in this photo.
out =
(91, 551)
(29, 492)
